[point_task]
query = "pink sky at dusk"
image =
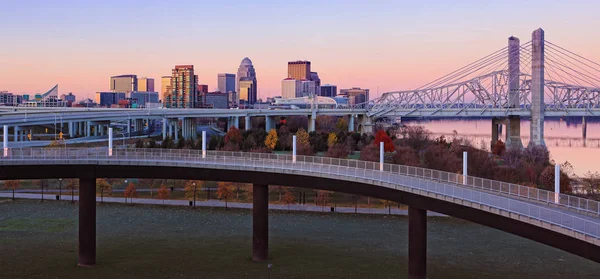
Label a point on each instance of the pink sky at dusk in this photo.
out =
(390, 45)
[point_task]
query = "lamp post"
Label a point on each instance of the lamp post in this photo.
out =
(194, 184)
(124, 191)
(59, 188)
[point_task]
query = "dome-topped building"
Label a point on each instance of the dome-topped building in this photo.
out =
(246, 82)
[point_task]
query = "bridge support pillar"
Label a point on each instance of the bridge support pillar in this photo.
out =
(233, 121)
(260, 222)
(312, 123)
(537, 88)
(495, 126)
(80, 128)
(16, 133)
(71, 130)
(351, 123)
(88, 128)
(417, 243)
(164, 128)
(269, 123)
(176, 126)
(365, 124)
(513, 132)
(247, 123)
(87, 221)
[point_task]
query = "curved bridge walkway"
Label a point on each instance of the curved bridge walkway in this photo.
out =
(566, 217)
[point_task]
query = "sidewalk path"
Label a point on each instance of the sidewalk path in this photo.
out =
(217, 203)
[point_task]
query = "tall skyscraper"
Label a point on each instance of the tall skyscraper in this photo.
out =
(226, 82)
(308, 88)
(355, 95)
(247, 91)
(182, 93)
(291, 88)
(145, 84)
(299, 70)
(247, 74)
(314, 76)
(123, 83)
(165, 82)
(328, 90)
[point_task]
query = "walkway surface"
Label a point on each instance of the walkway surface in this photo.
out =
(218, 203)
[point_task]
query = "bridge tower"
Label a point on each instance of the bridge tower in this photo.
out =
(513, 124)
(537, 88)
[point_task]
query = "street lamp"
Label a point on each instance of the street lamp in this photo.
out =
(125, 191)
(194, 184)
(59, 188)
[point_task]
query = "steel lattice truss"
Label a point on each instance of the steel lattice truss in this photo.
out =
(570, 83)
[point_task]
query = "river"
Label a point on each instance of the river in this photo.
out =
(563, 138)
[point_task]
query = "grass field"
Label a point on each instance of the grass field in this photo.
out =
(39, 240)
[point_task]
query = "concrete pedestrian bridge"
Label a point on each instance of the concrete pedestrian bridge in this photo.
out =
(561, 221)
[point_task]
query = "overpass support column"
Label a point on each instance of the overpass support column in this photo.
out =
(312, 123)
(494, 133)
(417, 243)
(260, 222)
(351, 123)
(87, 221)
(71, 132)
(513, 132)
(247, 123)
(537, 88)
(176, 124)
(164, 128)
(88, 127)
(16, 133)
(269, 123)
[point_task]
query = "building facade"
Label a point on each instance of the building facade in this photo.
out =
(291, 88)
(356, 95)
(108, 99)
(299, 70)
(216, 100)
(145, 84)
(165, 82)
(10, 99)
(246, 74)
(328, 90)
(123, 83)
(308, 88)
(226, 82)
(143, 99)
(182, 92)
(68, 97)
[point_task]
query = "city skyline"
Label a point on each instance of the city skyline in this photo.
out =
(388, 51)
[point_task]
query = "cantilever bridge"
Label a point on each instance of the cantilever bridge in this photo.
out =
(562, 221)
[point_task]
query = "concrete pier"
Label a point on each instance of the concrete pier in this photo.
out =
(87, 221)
(417, 243)
(260, 222)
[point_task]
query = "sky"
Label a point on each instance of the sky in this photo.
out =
(376, 44)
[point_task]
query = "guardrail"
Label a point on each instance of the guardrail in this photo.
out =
(393, 176)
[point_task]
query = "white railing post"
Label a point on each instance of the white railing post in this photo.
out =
(557, 183)
(294, 148)
(464, 167)
(381, 156)
(203, 144)
(5, 140)
(110, 141)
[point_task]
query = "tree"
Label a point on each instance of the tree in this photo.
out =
(285, 138)
(238, 188)
(163, 193)
(331, 139)
(147, 183)
(337, 150)
(388, 144)
(536, 155)
(271, 140)
(499, 148)
(191, 189)
(103, 187)
(72, 185)
(416, 137)
(387, 204)
(12, 185)
(341, 125)
(322, 199)
(130, 192)
(370, 153)
(302, 137)
(439, 157)
(233, 136)
(42, 183)
(406, 156)
(325, 123)
(224, 191)
(289, 198)
(280, 189)
(304, 149)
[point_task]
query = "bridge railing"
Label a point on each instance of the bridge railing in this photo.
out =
(578, 204)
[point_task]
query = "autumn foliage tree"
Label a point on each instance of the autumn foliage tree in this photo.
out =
(163, 193)
(498, 148)
(331, 139)
(130, 192)
(12, 185)
(233, 139)
(322, 199)
(289, 198)
(338, 150)
(302, 137)
(191, 189)
(271, 139)
(103, 187)
(224, 191)
(388, 144)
